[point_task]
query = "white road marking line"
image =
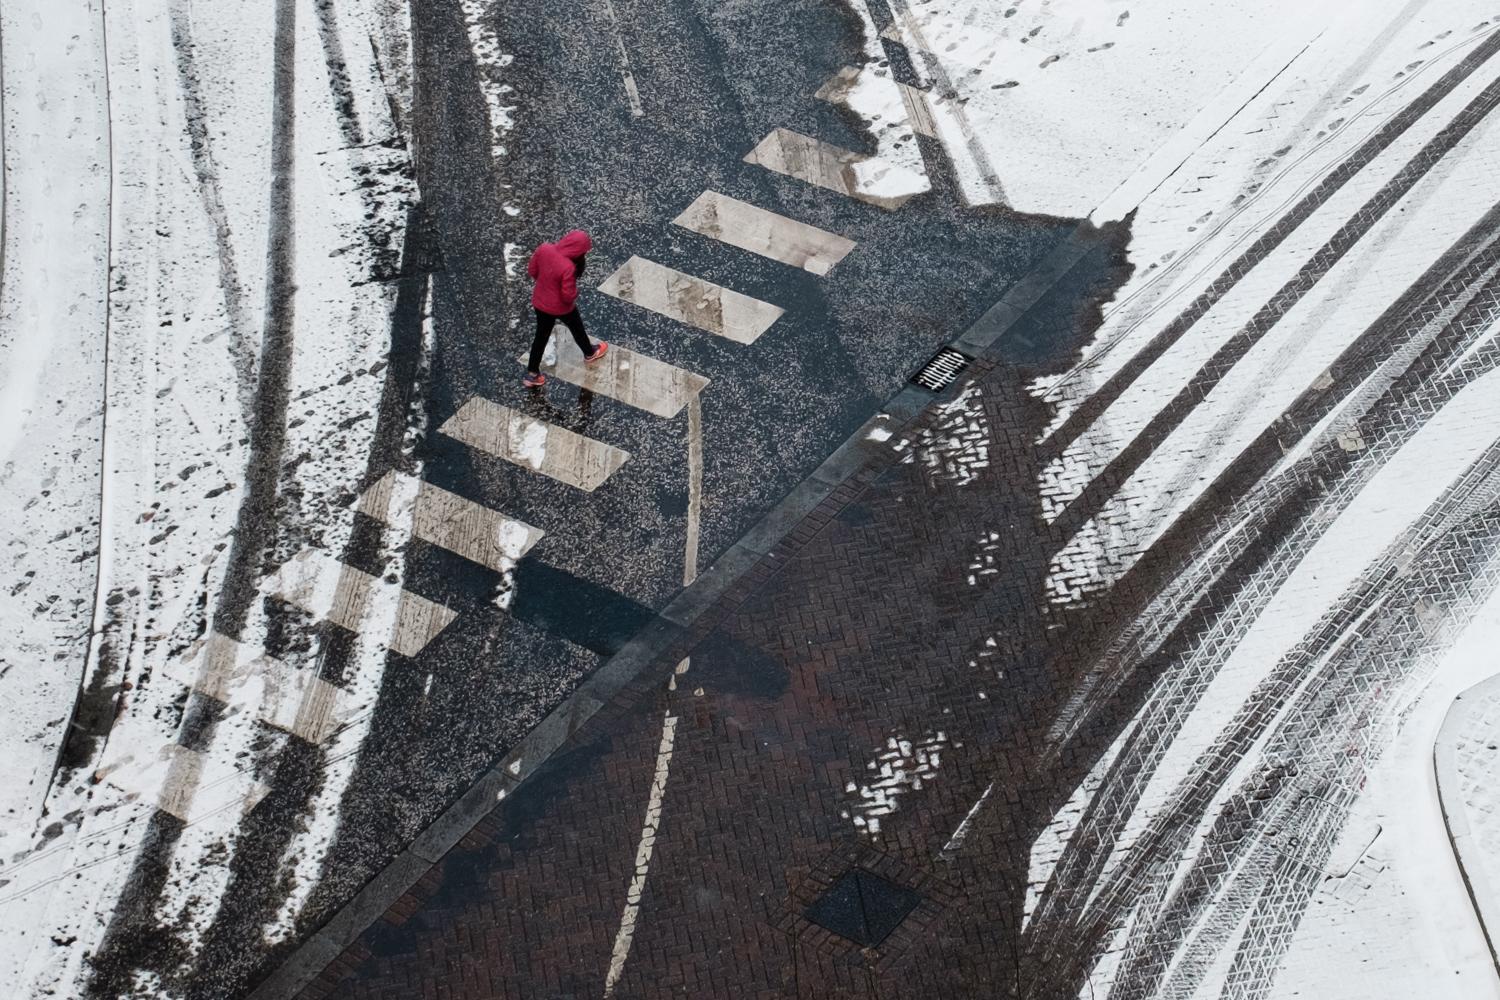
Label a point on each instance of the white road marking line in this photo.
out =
(837, 169)
(642, 856)
(691, 300)
(292, 700)
(962, 832)
(695, 490)
(748, 227)
(631, 93)
(532, 444)
(634, 379)
(918, 114)
(448, 521)
(321, 585)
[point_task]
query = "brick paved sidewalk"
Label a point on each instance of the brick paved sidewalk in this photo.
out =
(840, 706)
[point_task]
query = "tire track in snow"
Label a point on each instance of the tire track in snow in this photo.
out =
(1091, 500)
(258, 886)
(206, 173)
(1387, 634)
(1103, 397)
(1391, 344)
(1245, 571)
(1376, 611)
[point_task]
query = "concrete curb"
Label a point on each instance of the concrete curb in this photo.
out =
(1466, 850)
(673, 622)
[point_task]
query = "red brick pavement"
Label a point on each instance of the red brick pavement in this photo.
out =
(861, 631)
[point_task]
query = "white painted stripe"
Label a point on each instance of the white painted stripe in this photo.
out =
(825, 165)
(775, 236)
(634, 379)
(631, 93)
(173, 777)
(321, 585)
(691, 300)
(532, 444)
(695, 491)
(448, 521)
(295, 701)
(961, 834)
(643, 851)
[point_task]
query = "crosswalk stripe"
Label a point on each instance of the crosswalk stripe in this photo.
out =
(292, 700)
(172, 779)
(837, 169)
(448, 521)
(634, 379)
(691, 300)
(321, 585)
(533, 444)
(775, 236)
(184, 794)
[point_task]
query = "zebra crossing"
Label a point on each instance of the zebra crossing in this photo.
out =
(298, 702)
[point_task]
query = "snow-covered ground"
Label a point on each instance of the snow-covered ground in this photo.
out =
(54, 255)
(237, 171)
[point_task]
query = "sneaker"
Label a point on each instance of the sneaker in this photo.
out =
(598, 352)
(534, 380)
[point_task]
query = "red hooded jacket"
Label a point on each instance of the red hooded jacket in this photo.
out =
(552, 268)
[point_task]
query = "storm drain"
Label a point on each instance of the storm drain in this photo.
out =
(939, 373)
(862, 907)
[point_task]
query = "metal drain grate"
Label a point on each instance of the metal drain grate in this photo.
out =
(862, 907)
(945, 366)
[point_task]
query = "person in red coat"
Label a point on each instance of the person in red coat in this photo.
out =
(555, 268)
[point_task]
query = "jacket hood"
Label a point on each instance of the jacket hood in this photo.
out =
(575, 244)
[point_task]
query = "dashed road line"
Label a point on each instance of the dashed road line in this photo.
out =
(321, 585)
(835, 168)
(634, 379)
(447, 520)
(691, 300)
(532, 444)
(748, 227)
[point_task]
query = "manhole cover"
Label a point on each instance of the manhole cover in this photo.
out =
(939, 373)
(862, 907)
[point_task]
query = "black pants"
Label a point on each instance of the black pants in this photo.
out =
(544, 324)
